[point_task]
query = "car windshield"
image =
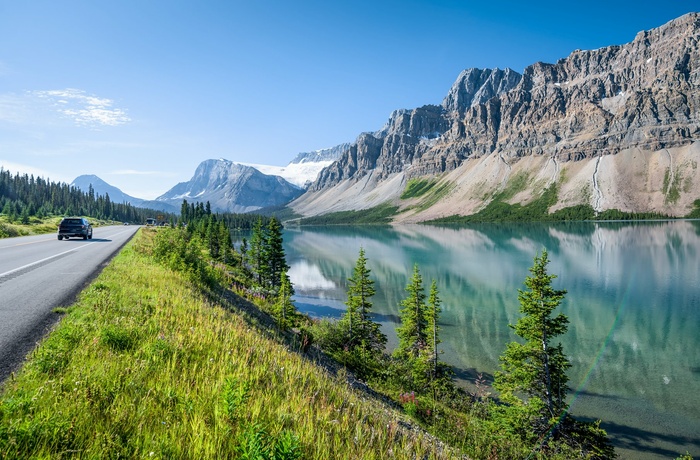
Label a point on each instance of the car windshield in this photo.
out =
(72, 221)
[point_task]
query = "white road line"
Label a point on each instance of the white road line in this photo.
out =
(2, 275)
(31, 242)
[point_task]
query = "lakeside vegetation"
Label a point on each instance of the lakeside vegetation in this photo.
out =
(187, 348)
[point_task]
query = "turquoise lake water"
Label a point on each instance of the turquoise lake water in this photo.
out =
(633, 303)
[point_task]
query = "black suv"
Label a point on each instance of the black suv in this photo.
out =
(74, 226)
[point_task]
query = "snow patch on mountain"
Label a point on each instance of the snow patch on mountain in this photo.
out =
(299, 174)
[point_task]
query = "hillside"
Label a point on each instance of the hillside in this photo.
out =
(158, 367)
(613, 128)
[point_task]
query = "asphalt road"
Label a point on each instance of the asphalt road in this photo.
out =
(40, 273)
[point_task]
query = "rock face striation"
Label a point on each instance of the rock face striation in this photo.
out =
(642, 96)
(232, 187)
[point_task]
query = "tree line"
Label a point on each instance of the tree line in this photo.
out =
(23, 196)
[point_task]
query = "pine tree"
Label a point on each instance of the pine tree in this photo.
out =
(256, 253)
(225, 242)
(527, 368)
(533, 381)
(285, 311)
(361, 330)
(537, 368)
(274, 253)
(413, 330)
(433, 316)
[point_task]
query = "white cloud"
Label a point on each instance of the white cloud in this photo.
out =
(84, 109)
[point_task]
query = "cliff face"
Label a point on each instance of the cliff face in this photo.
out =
(409, 134)
(641, 95)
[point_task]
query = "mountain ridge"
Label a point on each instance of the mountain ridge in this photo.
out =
(556, 123)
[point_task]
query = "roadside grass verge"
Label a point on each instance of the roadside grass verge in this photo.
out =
(148, 364)
(36, 225)
(32, 226)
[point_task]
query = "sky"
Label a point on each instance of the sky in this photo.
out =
(140, 92)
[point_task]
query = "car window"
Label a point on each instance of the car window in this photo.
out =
(73, 221)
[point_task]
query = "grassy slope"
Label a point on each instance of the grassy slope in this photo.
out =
(145, 366)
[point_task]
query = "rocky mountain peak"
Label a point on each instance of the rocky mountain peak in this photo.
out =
(232, 187)
(643, 95)
(476, 86)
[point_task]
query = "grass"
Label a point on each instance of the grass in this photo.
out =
(148, 365)
(434, 195)
(36, 226)
(672, 189)
(695, 213)
(417, 187)
(498, 210)
(381, 214)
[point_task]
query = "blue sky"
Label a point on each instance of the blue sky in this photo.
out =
(140, 92)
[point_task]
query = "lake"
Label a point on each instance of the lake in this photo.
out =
(633, 303)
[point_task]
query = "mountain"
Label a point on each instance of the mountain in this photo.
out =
(232, 187)
(612, 128)
(101, 187)
(304, 168)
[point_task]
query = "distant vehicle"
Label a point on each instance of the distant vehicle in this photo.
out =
(126, 223)
(74, 227)
(150, 222)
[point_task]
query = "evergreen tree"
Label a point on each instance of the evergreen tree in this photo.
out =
(256, 252)
(275, 262)
(413, 330)
(361, 330)
(225, 242)
(211, 230)
(537, 368)
(285, 311)
(533, 381)
(433, 316)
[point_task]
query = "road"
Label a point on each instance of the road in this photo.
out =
(39, 273)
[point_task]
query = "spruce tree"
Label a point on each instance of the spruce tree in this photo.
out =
(433, 316)
(256, 252)
(285, 310)
(533, 381)
(537, 368)
(275, 262)
(413, 330)
(361, 330)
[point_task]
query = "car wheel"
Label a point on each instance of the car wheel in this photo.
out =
(90, 236)
(85, 237)
(60, 237)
